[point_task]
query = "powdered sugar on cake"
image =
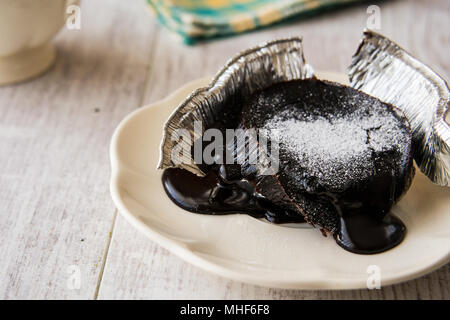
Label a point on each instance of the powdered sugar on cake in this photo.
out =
(338, 149)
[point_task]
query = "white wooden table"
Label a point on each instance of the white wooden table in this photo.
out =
(57, 219)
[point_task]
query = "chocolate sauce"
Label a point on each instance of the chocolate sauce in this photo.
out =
(366, 224)
(362, 230)
(349, 199)
(367, 234)
(214, 194)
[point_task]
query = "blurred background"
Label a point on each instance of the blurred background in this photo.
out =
(57, 219)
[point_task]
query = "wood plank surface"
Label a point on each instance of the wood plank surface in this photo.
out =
(56, 211)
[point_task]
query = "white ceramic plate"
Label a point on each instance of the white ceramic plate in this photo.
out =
(250, 250)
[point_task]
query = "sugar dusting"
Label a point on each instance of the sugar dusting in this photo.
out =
(337, 150)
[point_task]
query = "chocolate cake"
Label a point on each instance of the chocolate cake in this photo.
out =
(344, 159)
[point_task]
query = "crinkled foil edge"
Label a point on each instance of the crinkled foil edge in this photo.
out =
(384, 70)
(251, 70)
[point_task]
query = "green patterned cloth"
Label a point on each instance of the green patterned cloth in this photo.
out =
(201, 19)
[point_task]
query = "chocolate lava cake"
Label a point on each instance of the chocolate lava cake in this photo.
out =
(344, 159)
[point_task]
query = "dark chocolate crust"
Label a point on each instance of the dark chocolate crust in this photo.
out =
(320, 200)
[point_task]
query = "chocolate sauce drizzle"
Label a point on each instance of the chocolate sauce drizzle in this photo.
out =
(363, 229)
(214, 194)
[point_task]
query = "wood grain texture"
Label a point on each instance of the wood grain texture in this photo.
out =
(56, 210)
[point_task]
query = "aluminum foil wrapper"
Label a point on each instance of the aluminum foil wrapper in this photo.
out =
(379, 67)
(384, 70)
(251, 70)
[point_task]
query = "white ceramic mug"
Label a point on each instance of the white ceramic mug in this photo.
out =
(26, 30)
